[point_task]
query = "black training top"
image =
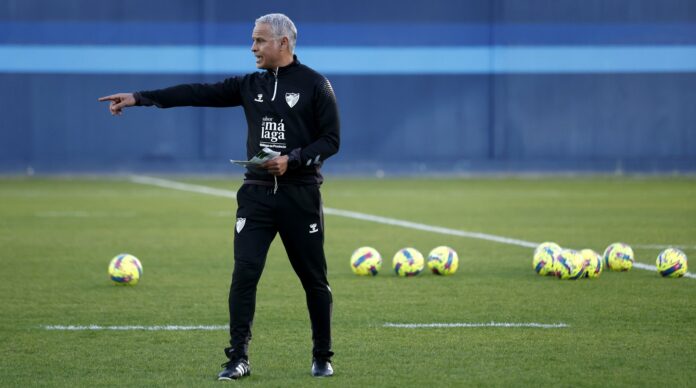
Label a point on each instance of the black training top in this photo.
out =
(291, 110)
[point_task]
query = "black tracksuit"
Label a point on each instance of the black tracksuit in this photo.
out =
(291, 110)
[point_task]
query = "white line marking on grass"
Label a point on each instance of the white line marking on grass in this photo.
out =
(82, 214)
(474, 324)
(428, 228)
(136, 327)
(658, 246)
(167, 184)
(222, 213)
(361, 216)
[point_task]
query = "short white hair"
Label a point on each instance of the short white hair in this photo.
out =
(281, 26)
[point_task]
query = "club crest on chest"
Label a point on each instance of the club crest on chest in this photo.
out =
(292, 98)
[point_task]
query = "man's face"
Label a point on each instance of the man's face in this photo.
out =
(266, 47)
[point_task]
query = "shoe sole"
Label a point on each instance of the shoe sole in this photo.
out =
(230, 379)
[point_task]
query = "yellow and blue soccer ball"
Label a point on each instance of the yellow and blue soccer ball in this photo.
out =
(618, 257)
(543, 258)
(570, 264)
(366, 261)
(671, 263)
(408, 262)
(125, 269)
(593, 263)
(443, 260)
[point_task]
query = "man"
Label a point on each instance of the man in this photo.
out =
(291, 109)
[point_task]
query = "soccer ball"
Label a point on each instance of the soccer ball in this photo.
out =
(618, 257)
(443, 261)
(543, 258)
(593, 262)
(671, 263)
(366, 261)
(408, 262)
(125, 269)
(569, 264)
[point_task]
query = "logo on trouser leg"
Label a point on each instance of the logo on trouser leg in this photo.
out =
(240, 224)
(313, 228)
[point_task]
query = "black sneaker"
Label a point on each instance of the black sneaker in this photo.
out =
(321, 367)
(235, 369)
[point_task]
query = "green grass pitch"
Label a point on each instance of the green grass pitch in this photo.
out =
(57, 236)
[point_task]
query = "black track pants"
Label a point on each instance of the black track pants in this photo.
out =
(295, 212)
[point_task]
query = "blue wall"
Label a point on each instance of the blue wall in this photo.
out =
(444, 86)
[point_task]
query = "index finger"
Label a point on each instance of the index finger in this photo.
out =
(108, 98)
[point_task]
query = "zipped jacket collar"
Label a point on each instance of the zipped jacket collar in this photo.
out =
(284, 69)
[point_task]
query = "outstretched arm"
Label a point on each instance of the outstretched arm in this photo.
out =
(221, 94)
